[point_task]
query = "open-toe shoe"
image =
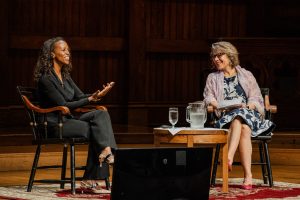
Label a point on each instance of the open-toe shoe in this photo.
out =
(89, 187)
(247, 186)
(108, 158)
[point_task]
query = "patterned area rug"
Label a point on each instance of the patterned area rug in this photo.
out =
(48, 192)
(280, 190)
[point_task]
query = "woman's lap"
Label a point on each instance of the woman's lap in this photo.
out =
(251, 118)
(72, 128)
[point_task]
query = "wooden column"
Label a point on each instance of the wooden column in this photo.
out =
(255, 18)
(136, 62)
(4, 68)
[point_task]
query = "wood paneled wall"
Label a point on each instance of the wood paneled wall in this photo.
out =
(157, 51)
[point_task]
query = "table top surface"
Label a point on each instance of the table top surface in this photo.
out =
(190, 131)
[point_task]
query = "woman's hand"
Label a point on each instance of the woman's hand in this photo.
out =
(105, 90)
(251, 106)
(214, 104)
(94, 96)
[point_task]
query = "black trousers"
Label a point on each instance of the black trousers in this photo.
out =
(96, 126)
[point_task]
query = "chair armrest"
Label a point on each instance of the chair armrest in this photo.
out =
(89, 108)
(268, 107)
(211, 118)
(63, 109)
(272, 108)
(210, 109)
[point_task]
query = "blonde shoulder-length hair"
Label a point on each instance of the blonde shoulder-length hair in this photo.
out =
(225, 48)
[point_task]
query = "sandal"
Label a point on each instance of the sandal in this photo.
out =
(90, 187)
(247, 184)
(246, 187)
(108, 158)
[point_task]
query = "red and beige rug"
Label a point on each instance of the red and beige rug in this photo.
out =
(280, 190)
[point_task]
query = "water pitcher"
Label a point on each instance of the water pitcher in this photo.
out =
(196, 114)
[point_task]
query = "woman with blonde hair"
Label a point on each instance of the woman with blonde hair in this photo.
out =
(232, 84)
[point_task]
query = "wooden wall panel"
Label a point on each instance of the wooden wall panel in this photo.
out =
(136, 52)
(174, 78)
(282, 18)
(192, 19)
(68, 18)
(157, 51)
(4, 67)
(96, 33)
(175, 74)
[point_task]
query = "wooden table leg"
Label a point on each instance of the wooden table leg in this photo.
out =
(190, 141)
(225, 167)
(156, 141)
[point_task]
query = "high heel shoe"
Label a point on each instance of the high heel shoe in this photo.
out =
(108, 158)
(92, 188)
(246, 187)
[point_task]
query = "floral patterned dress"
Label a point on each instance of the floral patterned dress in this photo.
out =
(256, 122)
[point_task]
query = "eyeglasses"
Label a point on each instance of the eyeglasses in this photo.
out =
(218, 55)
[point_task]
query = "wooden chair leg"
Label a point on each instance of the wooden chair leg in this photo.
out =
(34, 167)
(262, 162)
(215, 165)
(72, 166)
(267, 156)
(64, 166)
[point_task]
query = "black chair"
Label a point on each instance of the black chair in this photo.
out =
(38, 123)
(262, 141)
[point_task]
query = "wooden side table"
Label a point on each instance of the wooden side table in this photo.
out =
(190, 137)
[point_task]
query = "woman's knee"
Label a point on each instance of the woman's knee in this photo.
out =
(102, 114)
(236, 122)
(76, 128)
(246, 131)
(99, 112)
(239, 119)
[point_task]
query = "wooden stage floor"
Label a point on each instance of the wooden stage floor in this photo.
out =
(15, 161)
(285, 172)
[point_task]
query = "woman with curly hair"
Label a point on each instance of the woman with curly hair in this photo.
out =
(232, 83)
(56, 88)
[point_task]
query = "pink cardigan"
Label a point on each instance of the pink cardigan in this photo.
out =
(214, 88)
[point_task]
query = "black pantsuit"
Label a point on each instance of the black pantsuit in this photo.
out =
(95, 125)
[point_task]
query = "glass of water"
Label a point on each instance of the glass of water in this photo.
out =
(173, 116)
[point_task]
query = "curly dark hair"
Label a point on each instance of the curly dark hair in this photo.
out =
(44, 63)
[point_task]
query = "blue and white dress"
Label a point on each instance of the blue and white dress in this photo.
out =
(256, 122)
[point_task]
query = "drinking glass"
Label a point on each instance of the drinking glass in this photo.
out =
(173, 116)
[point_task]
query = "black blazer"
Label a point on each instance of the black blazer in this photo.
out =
(52, 92)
